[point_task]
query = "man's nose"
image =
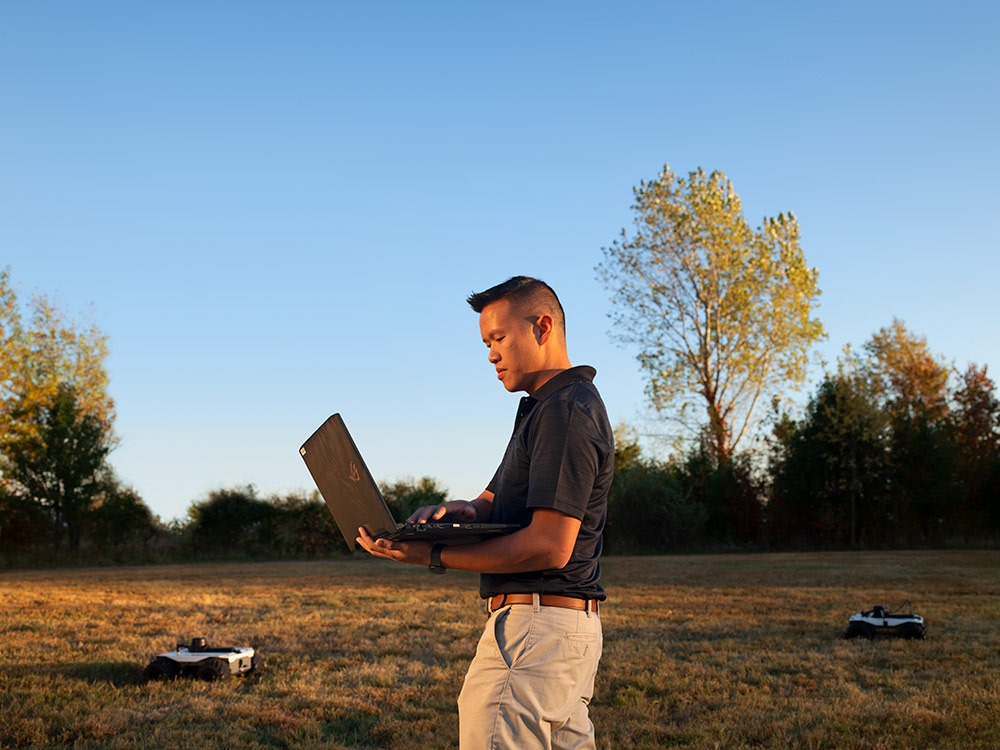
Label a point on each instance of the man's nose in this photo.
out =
(494, 355)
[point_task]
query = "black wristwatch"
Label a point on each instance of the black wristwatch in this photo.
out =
(436, 566)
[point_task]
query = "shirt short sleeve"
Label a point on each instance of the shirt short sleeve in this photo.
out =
(565, 458)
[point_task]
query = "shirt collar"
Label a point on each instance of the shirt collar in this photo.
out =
(564, 378)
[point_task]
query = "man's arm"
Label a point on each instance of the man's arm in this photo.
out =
(544, 544)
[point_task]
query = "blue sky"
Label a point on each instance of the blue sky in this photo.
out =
(277, 210)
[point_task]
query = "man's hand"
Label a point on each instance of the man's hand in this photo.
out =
(415, 553)
(459, 510)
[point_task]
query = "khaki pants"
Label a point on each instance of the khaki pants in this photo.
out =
(531, 680)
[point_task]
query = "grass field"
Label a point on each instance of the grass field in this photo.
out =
(719, 651)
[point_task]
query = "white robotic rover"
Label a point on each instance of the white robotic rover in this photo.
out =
(880, 621)
(202, 661)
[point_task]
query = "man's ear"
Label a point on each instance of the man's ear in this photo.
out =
(544, 327)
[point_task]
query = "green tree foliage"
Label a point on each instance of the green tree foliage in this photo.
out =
(829, 470)
(886, 455)
(651, 509)
(55, 414)
(230, 520)
(299, 526)
(234, 522)
(627, 449)
(56, 463)
(48, 354)
(923, 482)
(976, 424)
(405, 496)
(24, 524)
(686, 503)
(722, 314)
(121, 524)
(729, 494)
(306, 527)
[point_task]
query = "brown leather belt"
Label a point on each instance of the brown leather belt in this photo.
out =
(546, 600)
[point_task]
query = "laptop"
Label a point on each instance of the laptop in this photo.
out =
(354, 499)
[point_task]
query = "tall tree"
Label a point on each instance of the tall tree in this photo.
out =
(976, 420)
(722, 314)
(55, 413)
(924, 479)
(830, 469)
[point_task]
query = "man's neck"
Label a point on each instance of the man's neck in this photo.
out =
(544, 376)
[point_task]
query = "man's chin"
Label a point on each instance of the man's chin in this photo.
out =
(509, 383)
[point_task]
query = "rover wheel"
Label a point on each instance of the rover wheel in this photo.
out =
(859, 630)
(911, 631)
(160, 669)
(211, 670)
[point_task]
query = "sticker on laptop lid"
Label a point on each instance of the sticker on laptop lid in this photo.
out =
(302, 450)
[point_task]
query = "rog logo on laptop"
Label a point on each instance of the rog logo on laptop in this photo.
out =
(355, 475)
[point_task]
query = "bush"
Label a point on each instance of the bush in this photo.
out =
(122, 524)
(24, 526)
(405, 496)
(231, 521)
(651, 510)
(732, 499)
(303, 527)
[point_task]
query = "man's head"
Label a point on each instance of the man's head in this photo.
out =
(524, 326)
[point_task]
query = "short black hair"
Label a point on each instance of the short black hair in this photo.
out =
(522, 291)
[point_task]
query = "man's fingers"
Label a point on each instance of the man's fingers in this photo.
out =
(427, 513)
(421, 515)
(376, 547)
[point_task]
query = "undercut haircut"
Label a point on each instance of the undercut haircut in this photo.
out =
(525, 293)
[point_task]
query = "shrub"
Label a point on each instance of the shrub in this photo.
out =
(651, 510)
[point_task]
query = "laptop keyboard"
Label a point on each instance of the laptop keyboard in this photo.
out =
(434, 526)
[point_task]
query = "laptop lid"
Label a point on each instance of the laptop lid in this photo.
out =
(354, 499)
(345, 483)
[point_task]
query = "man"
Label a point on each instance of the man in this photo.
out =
(532, 678)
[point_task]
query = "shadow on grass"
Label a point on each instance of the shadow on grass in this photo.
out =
(117, 673)
(123, 674)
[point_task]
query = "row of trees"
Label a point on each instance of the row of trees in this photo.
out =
(891, 449)
(875, 459)
(722, 316)
(887, 453)
(237, 521)
(228, 523)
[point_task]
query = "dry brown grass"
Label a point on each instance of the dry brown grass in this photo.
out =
(726, 651)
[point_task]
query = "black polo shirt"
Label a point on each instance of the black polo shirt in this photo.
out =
(560, 456)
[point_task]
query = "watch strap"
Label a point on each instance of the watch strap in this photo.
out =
(436, 565)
